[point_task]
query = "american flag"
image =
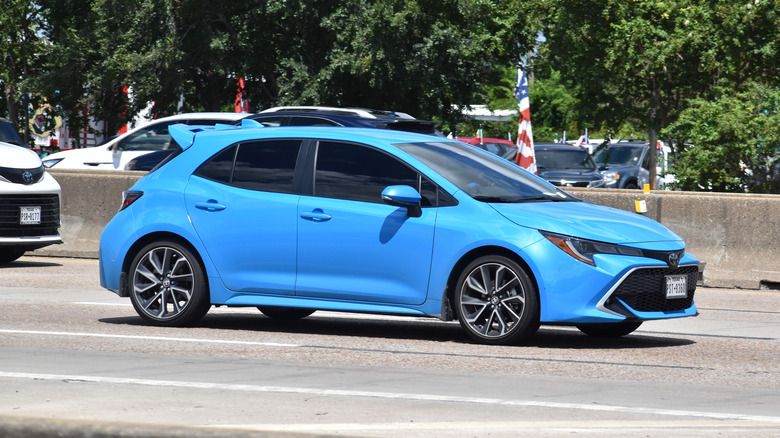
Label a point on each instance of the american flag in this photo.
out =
(241, 103)
(525, 139)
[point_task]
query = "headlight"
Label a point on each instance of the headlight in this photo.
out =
(597, 183)
(611, 177)
(584, 250)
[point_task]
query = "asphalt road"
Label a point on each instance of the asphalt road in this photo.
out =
(74, 357)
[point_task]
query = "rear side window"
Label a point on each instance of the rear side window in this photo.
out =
(266, 166)
(263, 165)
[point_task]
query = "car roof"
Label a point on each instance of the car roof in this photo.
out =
(186, 135)
(349, 112)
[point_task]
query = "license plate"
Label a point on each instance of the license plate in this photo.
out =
(29, 215)
(676, 286)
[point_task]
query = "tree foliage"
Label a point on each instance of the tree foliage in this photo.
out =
(621, 66)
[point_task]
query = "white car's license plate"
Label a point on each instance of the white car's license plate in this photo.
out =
(29, 215)
(676, 286)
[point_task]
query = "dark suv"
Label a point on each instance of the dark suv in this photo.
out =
(629, 164)
(353, 117)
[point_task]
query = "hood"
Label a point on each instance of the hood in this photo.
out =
(18, 157)
(588, 221)
(579, 175)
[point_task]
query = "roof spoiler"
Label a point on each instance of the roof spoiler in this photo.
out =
(184, 135)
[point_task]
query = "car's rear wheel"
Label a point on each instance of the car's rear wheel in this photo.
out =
(609, 330)
(10, 254)
(285, 312)
(496, 301)
(167, 285)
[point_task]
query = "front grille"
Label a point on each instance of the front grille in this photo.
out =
(644, 290)
(570, 183)
(9, 215)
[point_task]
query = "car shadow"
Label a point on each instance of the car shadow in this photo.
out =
(27, 264)
(422, 329)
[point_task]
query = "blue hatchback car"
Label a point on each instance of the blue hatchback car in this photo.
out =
(293, 220)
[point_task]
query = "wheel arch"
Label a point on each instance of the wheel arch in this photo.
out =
(448, 310)
(132, 252)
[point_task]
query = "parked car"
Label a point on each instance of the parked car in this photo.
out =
(148, 161)
(565, 165)
(291, 116)
(116, 153)
(29, 199)
(347, 117)
(629, 164)
(503, 148)
(382, 221)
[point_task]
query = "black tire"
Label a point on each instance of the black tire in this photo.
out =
(287, 313)
(167, 285)
(609, 329)
(496, 301)
(7, 255)
(631, 186)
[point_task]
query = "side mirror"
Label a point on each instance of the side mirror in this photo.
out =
(603, 167)
(403, 196)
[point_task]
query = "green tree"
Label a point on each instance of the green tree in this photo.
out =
(21, 47)
(734, 142)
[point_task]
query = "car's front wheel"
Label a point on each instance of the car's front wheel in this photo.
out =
(496, 301)
(167, 285)
(609, 330)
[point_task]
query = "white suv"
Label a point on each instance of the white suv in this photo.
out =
(116, 153)
(30, 199)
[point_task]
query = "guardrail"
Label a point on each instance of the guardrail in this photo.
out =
(736, 236)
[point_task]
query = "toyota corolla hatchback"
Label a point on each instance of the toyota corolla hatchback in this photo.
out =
(293, 220)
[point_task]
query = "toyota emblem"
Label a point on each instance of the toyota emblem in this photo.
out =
(27, 177)
(674, 259)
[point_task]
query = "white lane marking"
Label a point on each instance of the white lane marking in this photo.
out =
(145, 338)
(574, 426)
(389, 395)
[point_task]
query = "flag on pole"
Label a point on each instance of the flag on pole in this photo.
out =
(242, 103)
(583, 140)
(525, 139)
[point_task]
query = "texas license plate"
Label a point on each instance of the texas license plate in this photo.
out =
(29, 215)
(676, 286)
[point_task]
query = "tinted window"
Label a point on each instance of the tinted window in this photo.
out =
(311, 121)
(625, 155)
(153, 138)
(358, 173)
(266, 165)
(272, 121)
(8, 134)
(219, 167)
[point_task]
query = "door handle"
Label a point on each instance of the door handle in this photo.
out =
(317, 215)
(210, 205)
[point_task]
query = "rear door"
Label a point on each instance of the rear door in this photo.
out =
(243, 205)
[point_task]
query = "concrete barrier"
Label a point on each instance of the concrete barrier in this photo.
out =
(736, 236)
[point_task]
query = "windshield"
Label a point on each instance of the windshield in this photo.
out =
(623, 155)
(8, 134)
(564, 159)
(483, 176)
